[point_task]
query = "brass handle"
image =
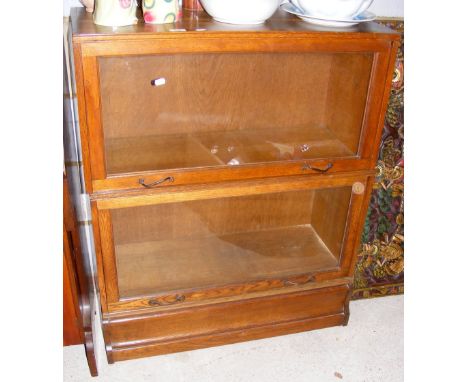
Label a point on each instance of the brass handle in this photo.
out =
(151, 185)
(307, 166)
(156, 302)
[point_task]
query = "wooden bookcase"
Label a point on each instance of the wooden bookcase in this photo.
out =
(229, 170)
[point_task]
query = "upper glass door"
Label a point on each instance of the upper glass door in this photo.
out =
(178, 111)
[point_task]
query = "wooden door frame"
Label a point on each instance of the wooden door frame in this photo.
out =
(343, 273)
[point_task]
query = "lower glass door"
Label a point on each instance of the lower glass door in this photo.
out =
(199, 244)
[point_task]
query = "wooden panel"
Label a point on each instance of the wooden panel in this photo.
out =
(108, 255)
(76, 285)
(84, 29)
(214, 217)
(211, 92)
(219, 42)
(82, 117)
(208, 175)
(224, 338)
(228, 293)
(198, 325)
(226, 189)
(72, 328)
(99, 256)
(93, 117)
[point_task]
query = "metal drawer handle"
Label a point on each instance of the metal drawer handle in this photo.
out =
(151, 185)
(156, 302)
(307, 166)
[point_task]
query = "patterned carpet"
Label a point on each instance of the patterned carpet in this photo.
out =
(380, 266)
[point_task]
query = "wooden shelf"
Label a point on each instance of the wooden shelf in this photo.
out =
(169, 265)
(221, 148)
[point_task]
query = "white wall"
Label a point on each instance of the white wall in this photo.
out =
(67, 4)
(389, 8)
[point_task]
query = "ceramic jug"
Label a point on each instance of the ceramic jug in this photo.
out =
(115, 13)
(89, 4)
(161, 11)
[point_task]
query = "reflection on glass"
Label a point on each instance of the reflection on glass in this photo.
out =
(231, 109)
(203, 243)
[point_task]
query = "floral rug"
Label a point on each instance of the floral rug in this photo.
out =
(379, 269)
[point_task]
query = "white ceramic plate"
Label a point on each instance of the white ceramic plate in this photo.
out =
(361, 18)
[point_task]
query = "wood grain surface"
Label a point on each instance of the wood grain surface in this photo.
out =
(227, 251)
(85, 29)
(204, 326)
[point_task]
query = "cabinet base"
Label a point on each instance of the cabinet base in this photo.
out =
(135, 336)
(193, 343)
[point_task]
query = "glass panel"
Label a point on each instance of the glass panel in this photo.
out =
(196, 244)
(195, 110)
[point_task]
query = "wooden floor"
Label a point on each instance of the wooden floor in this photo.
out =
(167, 265)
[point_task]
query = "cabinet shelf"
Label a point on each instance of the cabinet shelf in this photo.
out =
(170, 265)
(221, 148)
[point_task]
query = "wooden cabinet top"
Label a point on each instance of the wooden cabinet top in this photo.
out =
(281, 22)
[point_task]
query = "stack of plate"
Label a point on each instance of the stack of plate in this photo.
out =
(321, 20)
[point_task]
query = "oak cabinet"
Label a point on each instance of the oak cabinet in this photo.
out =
(229, 171)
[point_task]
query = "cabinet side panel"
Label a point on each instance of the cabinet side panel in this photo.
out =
(93, 113)
(72, 331)
(99, 261)
(83, 125)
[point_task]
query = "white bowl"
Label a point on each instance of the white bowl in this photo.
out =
(241, 11)
(332, 9)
